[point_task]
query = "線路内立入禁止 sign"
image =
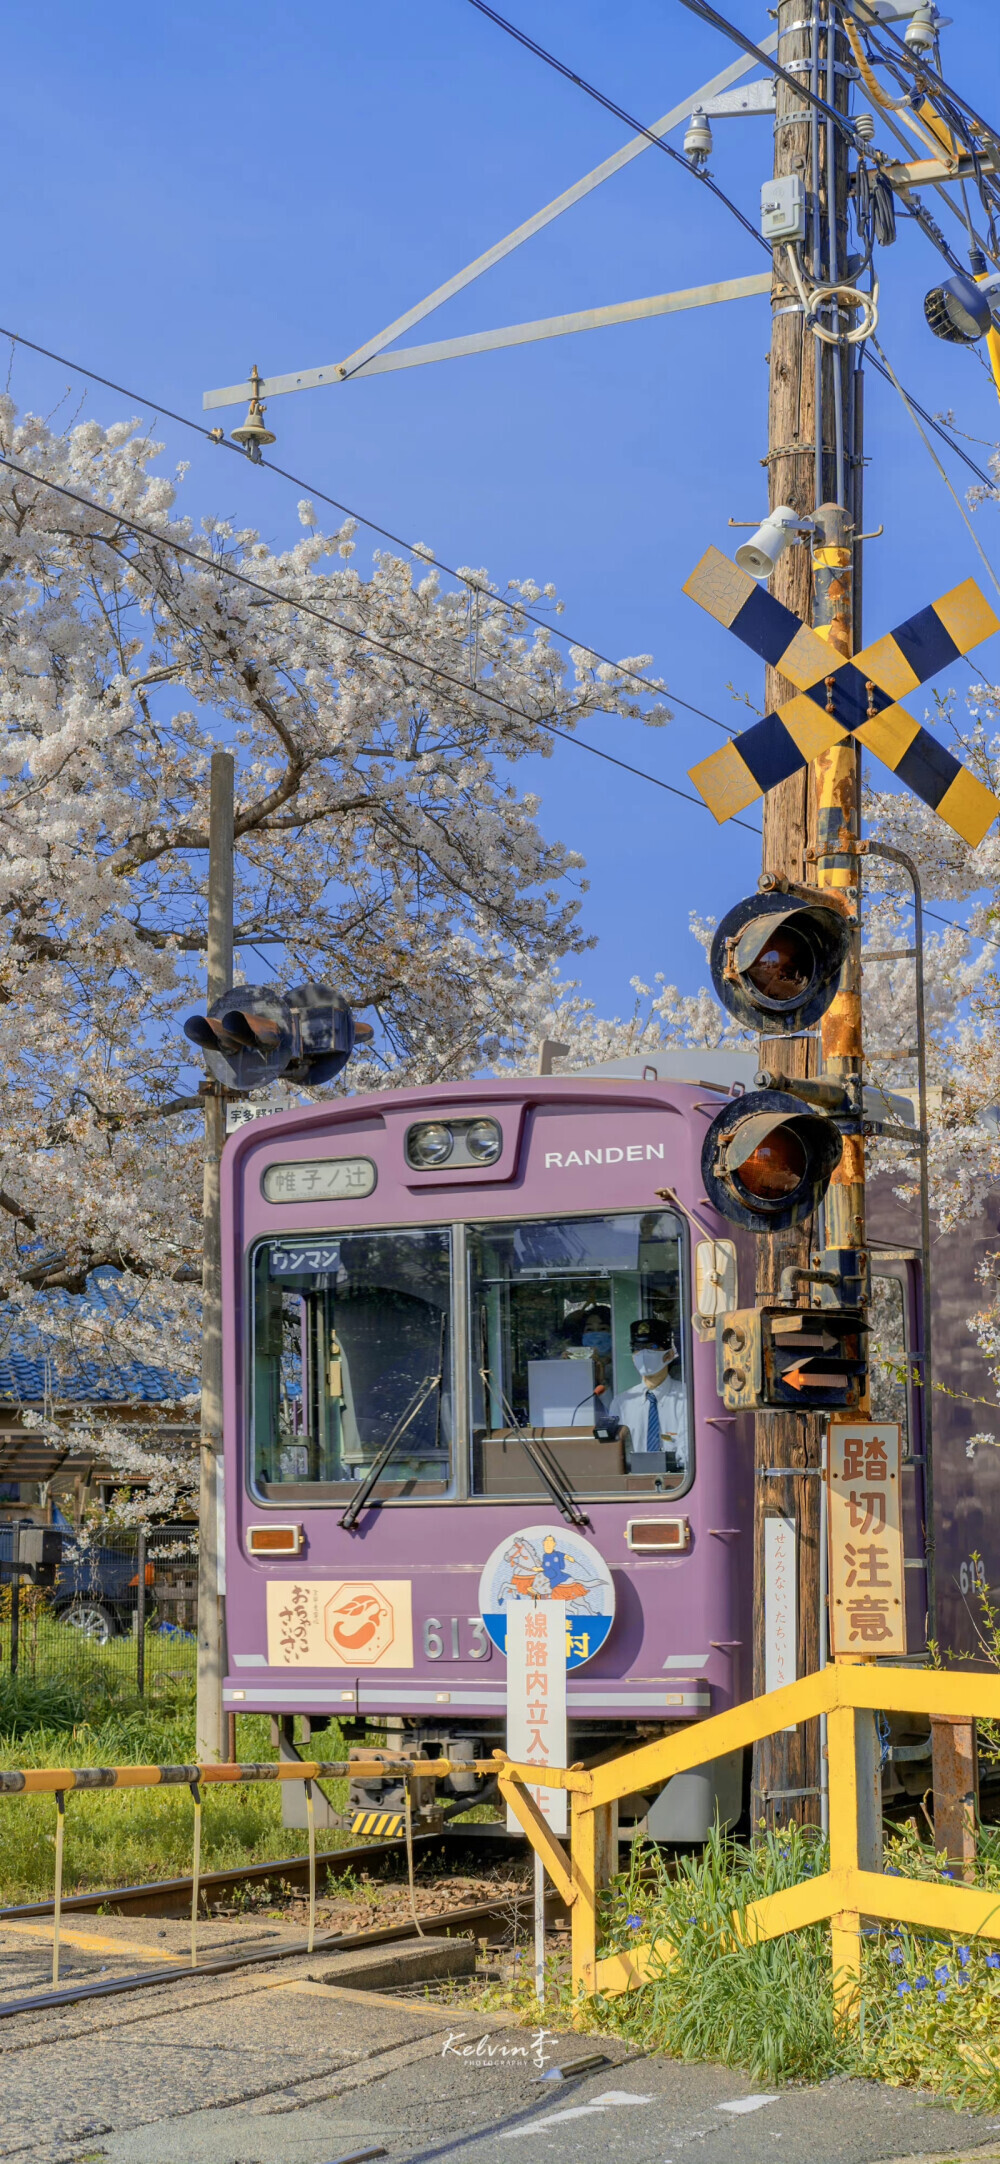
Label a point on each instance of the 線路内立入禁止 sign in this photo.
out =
(536, 1701)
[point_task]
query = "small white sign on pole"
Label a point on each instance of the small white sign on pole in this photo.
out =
(536, 1698)
(780, 1607)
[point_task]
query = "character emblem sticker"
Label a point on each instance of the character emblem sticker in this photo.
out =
(339, 1623)
(546, 1562)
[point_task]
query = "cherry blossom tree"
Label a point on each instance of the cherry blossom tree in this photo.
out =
(377, 723)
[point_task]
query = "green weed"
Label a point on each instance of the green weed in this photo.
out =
(132, 1836)
(930, 2007)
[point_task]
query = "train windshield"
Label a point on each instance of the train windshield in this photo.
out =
(579, 1354)
(351, 1351)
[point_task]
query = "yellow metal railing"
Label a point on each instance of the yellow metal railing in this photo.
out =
(841, 1896)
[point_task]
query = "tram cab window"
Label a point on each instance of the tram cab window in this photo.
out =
(557, 1310)
(351, 1347)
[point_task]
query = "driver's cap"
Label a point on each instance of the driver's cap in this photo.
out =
(646, 1333)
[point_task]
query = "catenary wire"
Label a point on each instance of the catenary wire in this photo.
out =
(223, 443)
(229, 571)
(720, 22)
(212, 435)
(353, 631)
(932, 455)
(892, 894)
(541, 53)
(938, 428)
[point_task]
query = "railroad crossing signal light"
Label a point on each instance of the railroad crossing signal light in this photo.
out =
(254, 1033)
(782, 1359)
(776, 959)
(767, 1159)
(837, 699)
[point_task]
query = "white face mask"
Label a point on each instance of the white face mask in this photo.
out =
(651, 1358)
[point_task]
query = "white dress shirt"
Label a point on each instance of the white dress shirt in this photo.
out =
(631, 1408)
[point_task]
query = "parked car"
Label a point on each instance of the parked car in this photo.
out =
(96, 1589)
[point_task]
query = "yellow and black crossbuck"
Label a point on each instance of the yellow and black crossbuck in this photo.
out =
(837, 698)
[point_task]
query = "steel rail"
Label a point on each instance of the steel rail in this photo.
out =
(450, 1920)
(172, 1896)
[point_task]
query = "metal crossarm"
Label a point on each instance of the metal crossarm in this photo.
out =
(836, 698)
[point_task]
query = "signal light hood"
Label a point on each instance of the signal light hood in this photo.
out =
(767, 1160)
(776, 959)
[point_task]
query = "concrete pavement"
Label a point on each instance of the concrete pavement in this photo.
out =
(276, 2068)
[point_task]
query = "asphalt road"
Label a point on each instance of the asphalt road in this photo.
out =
(275, 2067)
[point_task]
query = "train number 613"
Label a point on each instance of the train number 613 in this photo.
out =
(442, 1641)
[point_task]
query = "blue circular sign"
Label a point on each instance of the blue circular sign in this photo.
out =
(545, 1562)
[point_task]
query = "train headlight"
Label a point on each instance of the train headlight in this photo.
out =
(430, 1144)
(483, 1141)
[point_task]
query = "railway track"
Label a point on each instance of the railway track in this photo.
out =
(172, 1896)
(506, 1909)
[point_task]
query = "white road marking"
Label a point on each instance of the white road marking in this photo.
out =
(622, 2096)
(615, 2097)
(747, 2103)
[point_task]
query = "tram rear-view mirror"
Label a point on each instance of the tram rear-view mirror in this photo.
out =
(716, 1280)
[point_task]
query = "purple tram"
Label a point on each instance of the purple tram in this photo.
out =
(443, 1311)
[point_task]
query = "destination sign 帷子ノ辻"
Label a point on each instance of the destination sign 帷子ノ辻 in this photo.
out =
(329, 1179)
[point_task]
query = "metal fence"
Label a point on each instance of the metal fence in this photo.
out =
(120, 1621)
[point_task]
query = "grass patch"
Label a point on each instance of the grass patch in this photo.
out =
(131, 1836)
(930, 2006)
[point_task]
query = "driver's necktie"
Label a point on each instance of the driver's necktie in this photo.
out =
(654, 1435)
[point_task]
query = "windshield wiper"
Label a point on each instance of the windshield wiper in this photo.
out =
(539, 1455)
(371, 1479)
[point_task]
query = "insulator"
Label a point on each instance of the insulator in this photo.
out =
(698, 141)
(921, 33)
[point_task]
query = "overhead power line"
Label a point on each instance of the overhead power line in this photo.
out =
(945, 434)
(718, 21)
(927, 70)
(352, 631)
(610, 106)
(222, 442)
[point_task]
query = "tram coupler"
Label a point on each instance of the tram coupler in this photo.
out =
(378, 1805)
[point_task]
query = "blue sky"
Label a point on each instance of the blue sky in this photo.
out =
(198, 188)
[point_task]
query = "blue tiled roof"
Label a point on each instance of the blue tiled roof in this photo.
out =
(23, 1381)
(27, 1376)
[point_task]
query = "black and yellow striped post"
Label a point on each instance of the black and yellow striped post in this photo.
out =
(838, 794)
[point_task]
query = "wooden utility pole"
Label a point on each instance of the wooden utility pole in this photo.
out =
(813, 454)
(211, 1609)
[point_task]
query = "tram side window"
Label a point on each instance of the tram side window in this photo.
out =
(889, 1352)
(351, 1349)
(579, 1354)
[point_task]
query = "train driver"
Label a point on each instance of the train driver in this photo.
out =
(654, 1411)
